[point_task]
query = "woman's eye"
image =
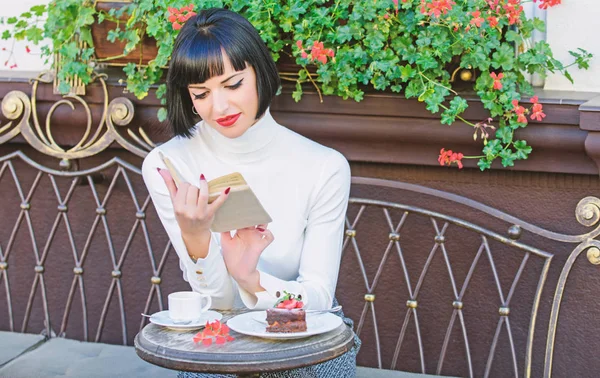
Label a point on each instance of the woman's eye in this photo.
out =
(203, 95)
(236, 85)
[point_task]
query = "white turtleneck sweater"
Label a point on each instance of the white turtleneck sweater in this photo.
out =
(303, 185)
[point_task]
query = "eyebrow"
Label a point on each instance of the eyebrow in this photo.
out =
(196, 86)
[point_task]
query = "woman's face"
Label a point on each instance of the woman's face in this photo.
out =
(229, 102)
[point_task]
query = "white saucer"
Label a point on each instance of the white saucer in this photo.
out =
(162, 319)
(254, 324)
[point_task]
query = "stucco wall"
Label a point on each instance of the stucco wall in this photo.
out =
(574, 24)
(26, 62)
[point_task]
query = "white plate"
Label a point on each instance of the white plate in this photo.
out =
(315, 324)
(162, 319)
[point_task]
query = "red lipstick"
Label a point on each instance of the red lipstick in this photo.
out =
(228, 120)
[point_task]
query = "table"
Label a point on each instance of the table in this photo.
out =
(246, 356)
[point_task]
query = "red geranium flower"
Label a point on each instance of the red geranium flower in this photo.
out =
(449, 157)
(178, 17)
(216, 330)
(497, 78)
(537, 113)
(520, 111)
(545, 4)
(477, 20)
(493, 21)
(436, 7)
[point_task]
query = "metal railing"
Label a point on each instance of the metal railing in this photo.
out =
(72, 183)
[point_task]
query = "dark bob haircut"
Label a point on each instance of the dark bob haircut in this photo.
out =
(197, 56)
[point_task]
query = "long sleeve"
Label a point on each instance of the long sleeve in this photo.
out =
(321, 251)
(206, 276)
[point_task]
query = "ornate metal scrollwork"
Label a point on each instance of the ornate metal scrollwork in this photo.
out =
(588, 211)
(120, 111)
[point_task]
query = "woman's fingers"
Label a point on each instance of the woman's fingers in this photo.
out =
(181, 197)
(261, 227)
(191, 198)
(213, 207)
(267, 237)
(203, 198)
(168, 179)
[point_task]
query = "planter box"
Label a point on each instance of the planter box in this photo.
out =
(143, 53)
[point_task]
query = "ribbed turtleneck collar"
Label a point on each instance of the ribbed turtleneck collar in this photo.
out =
(250, 146)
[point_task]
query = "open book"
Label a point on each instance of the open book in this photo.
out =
(241, 209)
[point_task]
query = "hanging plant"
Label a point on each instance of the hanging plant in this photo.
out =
(343, 47)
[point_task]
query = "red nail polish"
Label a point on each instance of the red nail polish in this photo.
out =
(260, 229)
(227, 190)
(202, 176)
(158, 169)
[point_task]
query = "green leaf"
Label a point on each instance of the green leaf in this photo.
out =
(492, 149)
(63, 87)
(344, 34)
(484, 164)
(568, 76)
(162, 114)
(458, 105)
(297, 94)
(161, 91)
(505, 134)
(425, 94)
(523, 150)
(539, 24)
(38, 10)
(113, 35)
(447, 117)
(508, 159)
(86, 36)
(407, 72)
(396, 88)
(413, 89)
(512, 36)
(69, 50)
(129, 69)
(504, 57)
(85, 17)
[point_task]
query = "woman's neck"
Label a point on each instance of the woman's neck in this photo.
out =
(250, 146)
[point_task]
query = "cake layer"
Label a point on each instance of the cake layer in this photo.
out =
(284, 315)
(288, 327)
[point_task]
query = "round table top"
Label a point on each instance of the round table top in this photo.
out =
(245, 355)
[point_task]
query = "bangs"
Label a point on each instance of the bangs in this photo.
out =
(201, 58)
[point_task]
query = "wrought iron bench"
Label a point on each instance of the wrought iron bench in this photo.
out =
(436, 283)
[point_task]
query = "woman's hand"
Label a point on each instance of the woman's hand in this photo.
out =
(242, 251)
(193, 213)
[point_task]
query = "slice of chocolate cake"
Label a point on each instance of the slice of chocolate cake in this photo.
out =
(288, 315)
(282, 320)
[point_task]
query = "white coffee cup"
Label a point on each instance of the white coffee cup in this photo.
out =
(187, 306)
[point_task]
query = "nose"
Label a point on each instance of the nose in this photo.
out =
(220, 102)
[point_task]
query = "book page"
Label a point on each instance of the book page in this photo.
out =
(221, 183)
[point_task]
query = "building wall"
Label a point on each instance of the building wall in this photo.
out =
(575, 24)
(27, 63)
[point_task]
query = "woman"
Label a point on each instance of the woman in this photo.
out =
(222, 74)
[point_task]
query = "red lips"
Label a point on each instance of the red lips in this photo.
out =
(229, 120)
